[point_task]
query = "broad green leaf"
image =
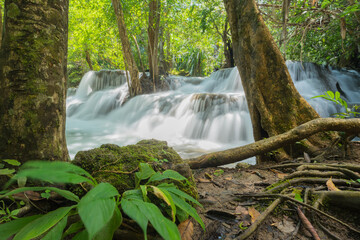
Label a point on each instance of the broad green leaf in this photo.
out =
(97, 207)
(168, 174)
(107, 232)
(10, 228)
(165, 195)
(56, 165)
(166, 228)
(133, 194)
(337, 95)
(83, 235)
(174, 190)
(42, 224)
(145, 172)
(75, 227)
(130, 208)
(298, 197)
(6, 171)
(330, 94)
(56, 232)
(66, 194)
(143, 189)
(179, 202)
(52, 176)
(12, 162)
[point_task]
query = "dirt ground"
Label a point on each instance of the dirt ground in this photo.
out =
(227, 214)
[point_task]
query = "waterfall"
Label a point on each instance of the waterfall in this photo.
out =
(196, 116)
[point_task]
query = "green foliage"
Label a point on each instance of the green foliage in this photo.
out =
(335, 97)
(98, 209)
(218, 172)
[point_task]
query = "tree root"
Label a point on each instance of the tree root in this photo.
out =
(349, 173)
(315, 174)
(307, 224)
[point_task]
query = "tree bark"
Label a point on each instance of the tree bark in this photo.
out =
(33, 63)
(1, 25)
(153, 40)
(134, 87)
(228, 50)
(266, 145)
(88, 59)
(275, 105)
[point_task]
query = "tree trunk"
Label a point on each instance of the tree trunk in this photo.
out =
(1, 25)
(88, 59)
(33, 63)
(168, 50)
(266, 145)
(153, 40)
(275, 105)
(134, 87)
(228, 50)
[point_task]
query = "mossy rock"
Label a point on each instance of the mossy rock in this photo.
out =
(117, 165)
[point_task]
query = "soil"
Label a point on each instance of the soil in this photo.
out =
(226, 215)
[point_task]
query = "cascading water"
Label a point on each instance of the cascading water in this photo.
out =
(198, 115)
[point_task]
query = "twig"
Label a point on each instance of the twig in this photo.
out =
(307, 224)
(264, 195)
(260, 219)
(117, 172)
(327, 231)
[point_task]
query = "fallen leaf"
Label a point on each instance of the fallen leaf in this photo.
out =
(186, 230)
(285, 226)
(253, 213)
(307, 157)
(241, 210)
(343, 28)
(202, 180)
(228, 178)
(34, 196)
(331, 186)
(281, 175)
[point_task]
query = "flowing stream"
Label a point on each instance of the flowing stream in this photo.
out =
(196, 116)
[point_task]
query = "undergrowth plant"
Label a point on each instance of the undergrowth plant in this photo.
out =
(99, 210)
(336, 98)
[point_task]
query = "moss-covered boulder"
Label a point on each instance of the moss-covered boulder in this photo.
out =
(117, 165)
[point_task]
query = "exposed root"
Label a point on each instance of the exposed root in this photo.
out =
(307, 224)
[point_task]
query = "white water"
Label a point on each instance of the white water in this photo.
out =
(197, 116)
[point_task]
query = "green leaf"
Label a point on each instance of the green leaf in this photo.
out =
(298, 197)
(56, 232)
(172, 189)
(145, 172)
(166, 228)
(187, 208)
(133, 194)
(42, 224)
(52, 176)
(75, 227)
(97, 207)
(83, 235)
(66, 194)
(165, 195)
(6, 171)
(143, 189)
(330, 94)
(218, 172)
(107, 232)
(337, 95)
(130, 208)
(168, 174)
(12, 162)
(10, 228)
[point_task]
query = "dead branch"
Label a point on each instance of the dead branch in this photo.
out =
(307, 224)
(260, 219)
(272, 143)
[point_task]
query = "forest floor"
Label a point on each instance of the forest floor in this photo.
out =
(227, 212)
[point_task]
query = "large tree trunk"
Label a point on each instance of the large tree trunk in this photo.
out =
(33, 80)
(153, 40)
(228, 50)
(351, 126)
(275, 105)
(1, 25)
(134, 87)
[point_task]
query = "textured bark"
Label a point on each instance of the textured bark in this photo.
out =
(1, 25)
(134, 87)
(228, 50)
(33, 80)
(88, 59)
(275, 105)
(272, 143)
(153, 40)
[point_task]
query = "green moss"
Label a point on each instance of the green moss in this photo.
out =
(116, 165)
(13, 11)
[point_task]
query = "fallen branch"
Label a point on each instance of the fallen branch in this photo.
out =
(260, 219)
(307, 224)
(272, 143)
